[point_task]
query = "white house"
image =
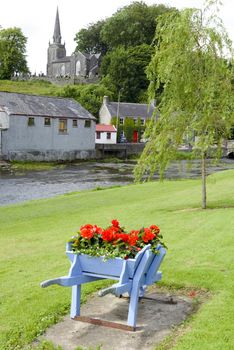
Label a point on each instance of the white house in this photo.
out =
(106, 134)
(139, 113)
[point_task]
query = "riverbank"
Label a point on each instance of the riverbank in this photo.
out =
(48, 180)
(38, 166)
(200, 254)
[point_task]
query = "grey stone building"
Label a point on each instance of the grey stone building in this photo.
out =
(44, 128)
(79, 65)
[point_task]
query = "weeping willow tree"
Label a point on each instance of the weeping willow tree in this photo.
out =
(193, 64)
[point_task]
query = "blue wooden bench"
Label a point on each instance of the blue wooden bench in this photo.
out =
(133, 276)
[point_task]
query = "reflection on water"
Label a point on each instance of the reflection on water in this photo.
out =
(17, 187)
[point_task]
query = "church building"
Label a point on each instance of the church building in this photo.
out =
(78, 65)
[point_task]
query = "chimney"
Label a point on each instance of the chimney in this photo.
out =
(105, 100)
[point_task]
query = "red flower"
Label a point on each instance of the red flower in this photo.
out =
(108, 235)
(148, 235)
(97, 229)
(122, 236)
(133, 238)
(87, 233)
(115, 223)
(155, 229)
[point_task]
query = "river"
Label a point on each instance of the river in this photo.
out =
(18, 186)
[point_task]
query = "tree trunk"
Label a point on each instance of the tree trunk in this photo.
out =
(203, 169)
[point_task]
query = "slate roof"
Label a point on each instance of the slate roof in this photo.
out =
(34, 105)
(130, 109)
(106, 128)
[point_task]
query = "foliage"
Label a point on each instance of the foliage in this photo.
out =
(125, 69)
(194, 45)
(128, 128)
(32, 237)
(89, 40)
(12, 52)
(124, 39)
(132, 25)
(114, 241)
(90, 96)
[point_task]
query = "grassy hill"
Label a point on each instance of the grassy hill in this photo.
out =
(200, 254)
(35, 87)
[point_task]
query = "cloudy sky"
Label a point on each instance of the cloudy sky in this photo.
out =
(36, 19)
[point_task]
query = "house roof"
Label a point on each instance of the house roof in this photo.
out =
(130, 109)
(34, 105)
(106, 128)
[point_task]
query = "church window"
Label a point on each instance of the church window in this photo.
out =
(62, 126)
(31, 121)
(78, 68)
(87, 123)
(74, 123)
(47, 122)
(63, 70)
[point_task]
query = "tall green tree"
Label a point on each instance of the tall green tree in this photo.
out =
(125, 69)
(12, 52)
(190, 61)
(89, 39)
(132, 25)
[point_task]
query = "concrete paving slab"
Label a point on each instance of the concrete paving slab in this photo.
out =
(156, 317)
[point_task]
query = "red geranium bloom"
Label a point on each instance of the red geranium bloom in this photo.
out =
(132, 240)
(97, 229)
(148, 235)
(122, 236)
(108, 235)
(133, 237)
(115, 223)
(86, 233)
(155, 228)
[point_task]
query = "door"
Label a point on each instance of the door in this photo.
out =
(135, 136)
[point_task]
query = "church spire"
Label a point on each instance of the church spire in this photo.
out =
(57, 34)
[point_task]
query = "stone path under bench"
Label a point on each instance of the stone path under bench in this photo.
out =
(156, 319)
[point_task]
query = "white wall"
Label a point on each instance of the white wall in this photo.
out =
(104, 115)
(104, 138)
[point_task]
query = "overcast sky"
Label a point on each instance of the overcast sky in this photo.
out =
(36, 19)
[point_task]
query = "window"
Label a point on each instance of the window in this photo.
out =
(62, 126)
(87, 123)
(142, 121)
(47, 122)
(108, 135)
(121, 121)
(74, 123)
(31, 121)
(98, 135)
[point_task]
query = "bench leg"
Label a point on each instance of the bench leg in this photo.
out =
(133, 306)
(75, 303)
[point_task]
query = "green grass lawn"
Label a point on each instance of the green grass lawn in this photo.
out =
(35, 87)
(200, 255)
